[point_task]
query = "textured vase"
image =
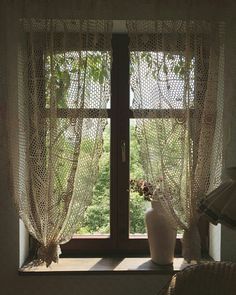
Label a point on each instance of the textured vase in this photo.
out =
(161, 235)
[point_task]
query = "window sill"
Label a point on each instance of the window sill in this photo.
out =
(113, 265)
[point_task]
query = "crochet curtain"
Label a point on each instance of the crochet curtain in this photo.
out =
(177, 84)
(63, 90)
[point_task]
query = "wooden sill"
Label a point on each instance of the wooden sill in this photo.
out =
(100, 265)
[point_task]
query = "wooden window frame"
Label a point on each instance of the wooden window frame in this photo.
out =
(119, 242)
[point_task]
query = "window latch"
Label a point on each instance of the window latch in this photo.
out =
(123, 151)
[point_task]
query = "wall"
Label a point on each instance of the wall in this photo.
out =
(132, 9)
(215, 241)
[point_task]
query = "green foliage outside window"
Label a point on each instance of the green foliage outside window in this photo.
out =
(97, 216)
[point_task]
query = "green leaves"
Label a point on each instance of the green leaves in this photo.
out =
(62, 86)
(137, 209)
(165, 69)
(97, 216)
(78, 68)
(159, 64)
(98, 69)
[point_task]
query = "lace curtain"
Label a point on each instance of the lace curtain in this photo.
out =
(63, 90)
(177, 84)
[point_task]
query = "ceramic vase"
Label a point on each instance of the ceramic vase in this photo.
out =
(161, 234)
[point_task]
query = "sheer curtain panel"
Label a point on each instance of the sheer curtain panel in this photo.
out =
(61, 117)
(177, 79)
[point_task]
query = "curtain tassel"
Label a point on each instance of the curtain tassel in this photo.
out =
(49, 253)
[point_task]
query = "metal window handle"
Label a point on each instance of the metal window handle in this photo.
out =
(123, 151)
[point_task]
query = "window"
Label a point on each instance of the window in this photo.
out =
(123, 231)
(114, 227)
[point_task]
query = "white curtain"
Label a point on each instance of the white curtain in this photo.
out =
(177, 84)
(63, 90)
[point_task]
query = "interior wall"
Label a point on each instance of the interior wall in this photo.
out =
(132, 9)
(23, 243)
(215, 241)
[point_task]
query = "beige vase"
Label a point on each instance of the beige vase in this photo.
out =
(161, 235)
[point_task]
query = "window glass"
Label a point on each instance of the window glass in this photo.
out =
(77, 74)
(138, 204)
(158, 97)
(156, 76)
(97, 216)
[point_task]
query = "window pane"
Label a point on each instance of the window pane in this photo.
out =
(97, 216)
(79, 151)
(165, 149)
(74, 75)
(137, 203)
(161, 89)
(158, 80)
